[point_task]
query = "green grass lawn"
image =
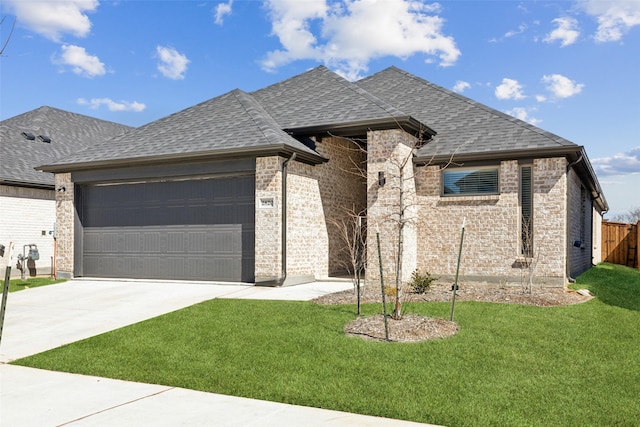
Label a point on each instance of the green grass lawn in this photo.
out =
(32, 282)
(510, 365)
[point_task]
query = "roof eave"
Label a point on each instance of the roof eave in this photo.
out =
(439, 159)
(13, 183)
(234, 153)
(407, 123)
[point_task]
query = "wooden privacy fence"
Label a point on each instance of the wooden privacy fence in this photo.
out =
(620, 243)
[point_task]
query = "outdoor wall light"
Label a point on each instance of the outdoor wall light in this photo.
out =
(61, 189)
(381, 179)
(577, 244)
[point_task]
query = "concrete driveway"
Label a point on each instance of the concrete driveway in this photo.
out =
(43, 318)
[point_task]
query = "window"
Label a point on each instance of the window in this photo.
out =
(526, 211)
(462, 181)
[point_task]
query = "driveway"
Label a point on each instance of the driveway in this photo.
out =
(43, 318)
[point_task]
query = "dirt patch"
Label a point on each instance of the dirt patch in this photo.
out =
(411, 328)
(414, 328)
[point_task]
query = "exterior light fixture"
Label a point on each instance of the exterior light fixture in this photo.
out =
(61, 189)
(381, 179)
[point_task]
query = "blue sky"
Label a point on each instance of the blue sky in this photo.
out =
(569, 67)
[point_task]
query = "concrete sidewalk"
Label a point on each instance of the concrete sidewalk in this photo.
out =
(44, 318)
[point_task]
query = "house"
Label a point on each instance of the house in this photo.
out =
(250, 187)
(27, 196)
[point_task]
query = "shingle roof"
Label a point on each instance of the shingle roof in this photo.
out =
(67, 131)
(233, 122)
(321, 97)
(263, 122)
(463, 126)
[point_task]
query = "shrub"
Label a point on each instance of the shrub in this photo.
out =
(420, 283)
(390, 291)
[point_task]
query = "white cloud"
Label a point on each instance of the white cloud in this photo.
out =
(95, 103)
(521, 29)
(222, 9)
(615, 18)
(618, 164)
(567, 31)
(460, 86)
(561, 86)
(52, 19)
(80, 61)
(348, 34)
(523, 114)
(509, 89)
(172, 64)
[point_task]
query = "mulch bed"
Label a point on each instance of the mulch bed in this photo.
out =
(414, 328)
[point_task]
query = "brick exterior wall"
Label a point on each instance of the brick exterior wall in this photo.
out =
(317, 199)
(580, 227)
(268, 219)
(492, 245)
(27, 213)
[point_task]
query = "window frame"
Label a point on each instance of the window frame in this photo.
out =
(444, 171)
(530, 233)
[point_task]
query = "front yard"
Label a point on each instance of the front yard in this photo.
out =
(508, 365)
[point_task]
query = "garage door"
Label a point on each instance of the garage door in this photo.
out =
(200, 229)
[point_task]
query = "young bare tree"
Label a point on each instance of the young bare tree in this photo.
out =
(530, 256)
(398, 183)
(630, 217)
(351, 230)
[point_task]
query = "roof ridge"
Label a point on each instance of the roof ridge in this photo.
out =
(250, 105)
(549, 135)
(267, 125)
(45, 110)
(393, 111)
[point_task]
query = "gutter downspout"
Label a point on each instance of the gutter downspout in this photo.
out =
(279, 281)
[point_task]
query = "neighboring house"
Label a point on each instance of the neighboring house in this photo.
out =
(213, 191)
(27, 196)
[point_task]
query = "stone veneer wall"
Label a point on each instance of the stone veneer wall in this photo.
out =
(390, 152)
(492, 246)
(65, 215)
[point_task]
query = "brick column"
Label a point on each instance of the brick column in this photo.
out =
(65, 214)
(390, 152)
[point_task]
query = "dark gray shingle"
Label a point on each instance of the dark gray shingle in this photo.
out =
(321, 97)
(231, 122)
(69, 132)
(463, 126)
